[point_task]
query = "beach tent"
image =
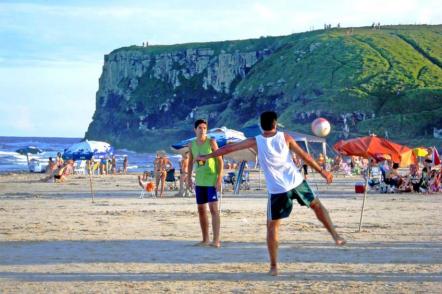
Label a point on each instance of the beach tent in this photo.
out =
(376, 148)
(253, 131)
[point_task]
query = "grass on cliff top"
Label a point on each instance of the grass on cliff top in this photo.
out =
(218, 47)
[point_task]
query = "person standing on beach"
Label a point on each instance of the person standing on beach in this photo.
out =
(284, 181)
(184, 169)
(125, 164)
(114, 165)
(162, 164)
(208, 181)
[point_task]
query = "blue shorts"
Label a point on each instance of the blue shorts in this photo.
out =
(205, 194)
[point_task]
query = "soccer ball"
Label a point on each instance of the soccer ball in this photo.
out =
(321, 127)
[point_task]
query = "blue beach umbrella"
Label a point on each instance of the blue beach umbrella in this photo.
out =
(28, 150)
(87, 150)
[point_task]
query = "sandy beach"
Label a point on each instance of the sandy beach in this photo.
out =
(54, 239)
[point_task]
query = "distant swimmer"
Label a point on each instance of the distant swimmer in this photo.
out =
(284, 181)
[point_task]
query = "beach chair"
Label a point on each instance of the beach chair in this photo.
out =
(375, 179)
(229, 179)
(80, 167)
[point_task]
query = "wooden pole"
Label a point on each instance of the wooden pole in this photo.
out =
(365, 194)
(92, 189)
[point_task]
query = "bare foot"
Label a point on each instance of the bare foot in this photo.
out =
(215, 244)
(202, 244)
(340, 241)
(273, 271)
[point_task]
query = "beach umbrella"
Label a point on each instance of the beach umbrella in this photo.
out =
(28, 150)
(223, 136)
(87, 150)
(420, 151)
(435, 156)
(376, 148)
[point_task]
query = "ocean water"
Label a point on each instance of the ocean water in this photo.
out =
(11, 161)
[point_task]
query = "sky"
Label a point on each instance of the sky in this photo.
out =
(51, 52)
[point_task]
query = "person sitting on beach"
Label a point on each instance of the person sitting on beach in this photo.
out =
(148, 186)
(321, 160)
(393, 177)
(411, 180)
(162, 165)
(434, 182)
(52, 165)
(337, 163)
(59, 160)
(425, 176)
(284, 182)
(60, 174)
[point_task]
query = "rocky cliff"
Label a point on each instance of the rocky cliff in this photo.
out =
(386, 81)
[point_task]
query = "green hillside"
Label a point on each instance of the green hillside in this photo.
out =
(387, 80)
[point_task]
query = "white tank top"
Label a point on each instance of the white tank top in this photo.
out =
(276, 161)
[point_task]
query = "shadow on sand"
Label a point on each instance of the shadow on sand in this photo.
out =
(183, 252)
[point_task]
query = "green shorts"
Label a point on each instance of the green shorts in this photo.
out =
(280, 205)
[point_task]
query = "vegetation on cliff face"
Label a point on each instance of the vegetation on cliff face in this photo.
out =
(362, 80)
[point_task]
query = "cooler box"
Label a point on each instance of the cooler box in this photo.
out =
(359, 187)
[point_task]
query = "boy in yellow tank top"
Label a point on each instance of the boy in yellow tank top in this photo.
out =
(208, 181)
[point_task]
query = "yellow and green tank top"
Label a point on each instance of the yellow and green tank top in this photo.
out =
(206, 173)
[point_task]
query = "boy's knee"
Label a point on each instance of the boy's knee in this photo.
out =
(315, 204)
(213, 208)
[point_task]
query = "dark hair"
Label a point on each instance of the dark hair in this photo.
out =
(395, 165)
(200, 121)
(428, 160)
(268, 120)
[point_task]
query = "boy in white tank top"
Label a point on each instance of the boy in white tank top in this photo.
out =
(284, 181)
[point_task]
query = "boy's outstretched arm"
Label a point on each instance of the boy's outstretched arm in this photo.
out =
(248, 143)
(294, 147)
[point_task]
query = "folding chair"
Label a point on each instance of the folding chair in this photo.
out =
(229, 179)
(170, 178)
(80, 167)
